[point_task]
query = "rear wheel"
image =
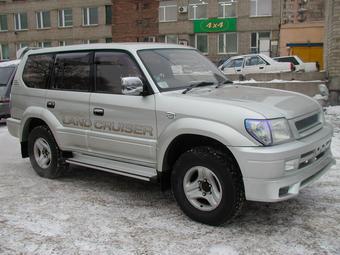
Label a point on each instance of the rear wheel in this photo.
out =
(207, 185)
(44, 153)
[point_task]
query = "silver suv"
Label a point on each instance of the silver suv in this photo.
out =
(165, 113)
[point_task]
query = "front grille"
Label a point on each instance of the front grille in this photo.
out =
(307, 123)
(314, 155)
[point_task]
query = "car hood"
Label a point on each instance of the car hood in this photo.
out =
(271, 103)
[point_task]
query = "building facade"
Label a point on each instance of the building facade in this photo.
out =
(48, 23)
(222, 28)
(332, 49)
(135, 21)
(303, 29)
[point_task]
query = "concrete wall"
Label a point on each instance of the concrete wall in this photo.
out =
(76, 34)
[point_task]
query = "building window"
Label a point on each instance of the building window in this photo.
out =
(198, 9)
(90, 41)
(43, 19)
(260, 8)
(21, 45)
(171, 39)
(4, 51)
(108, 14)
(255, 42)
(44, 44)
(226, 8)
(20, 21)
(227, 43)
(65, 18)
(90, 16)
(201, 43)
(65, 43)
(167, 11)
(108, 40)
(3, 22)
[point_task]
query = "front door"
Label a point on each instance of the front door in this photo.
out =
(68, 98)
(123, 125)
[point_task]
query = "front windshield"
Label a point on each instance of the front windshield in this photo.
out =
(173, 69)
(5, 75)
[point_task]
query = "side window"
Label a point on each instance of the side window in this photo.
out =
(37, 70)
(235, 63)
(110, 68)
(72, 71)
(254, 61)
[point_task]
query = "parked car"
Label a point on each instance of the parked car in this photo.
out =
(7, 72)
(299, 64)
(165, 113)
(254, 63)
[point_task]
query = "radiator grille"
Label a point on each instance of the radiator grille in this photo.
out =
(307, 123)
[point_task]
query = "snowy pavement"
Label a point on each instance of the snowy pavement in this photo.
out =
(92, 212)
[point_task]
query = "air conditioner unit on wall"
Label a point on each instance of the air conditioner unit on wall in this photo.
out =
(183, 9)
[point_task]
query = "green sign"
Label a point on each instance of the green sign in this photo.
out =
(215, 25)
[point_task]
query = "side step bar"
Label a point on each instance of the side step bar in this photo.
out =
(131, 170)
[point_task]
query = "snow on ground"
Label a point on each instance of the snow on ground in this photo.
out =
(92, 212)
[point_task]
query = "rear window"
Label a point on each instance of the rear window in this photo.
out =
(5, 75)
(288, 60)
(37, 70)
(72, 71)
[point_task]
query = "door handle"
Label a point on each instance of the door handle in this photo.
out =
(50, 104)
(261, 67)
(238, 70)
(98, 111)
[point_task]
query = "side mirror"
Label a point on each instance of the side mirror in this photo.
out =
(132, 86)
(222, 67)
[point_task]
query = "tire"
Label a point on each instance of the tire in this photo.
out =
(44, 153)
(224, 190)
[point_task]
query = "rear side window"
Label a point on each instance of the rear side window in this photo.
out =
(37, 70)
(72, 71)
(5, 75)
(110, 68)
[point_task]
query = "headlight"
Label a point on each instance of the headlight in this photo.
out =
(269, 132)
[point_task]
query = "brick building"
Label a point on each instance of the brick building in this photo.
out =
(332, 49)
(135, 21)
(45, 23)
(222, 28)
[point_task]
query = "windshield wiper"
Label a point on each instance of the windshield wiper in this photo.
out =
(198, 84)
(223, 83)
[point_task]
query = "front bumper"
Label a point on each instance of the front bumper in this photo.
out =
(263, 168)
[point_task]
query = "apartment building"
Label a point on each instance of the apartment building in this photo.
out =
(221, 28)
(45, 23)
(303, 29)
(332, 49)
(135, 20)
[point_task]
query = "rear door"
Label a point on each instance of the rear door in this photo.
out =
(123, 126)
(254, 64)
(68, 98)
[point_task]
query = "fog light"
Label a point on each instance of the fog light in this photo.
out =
(292, 164)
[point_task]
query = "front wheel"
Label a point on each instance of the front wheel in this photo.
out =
(207, 185)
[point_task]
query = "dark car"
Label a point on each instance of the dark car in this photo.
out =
(7, 72)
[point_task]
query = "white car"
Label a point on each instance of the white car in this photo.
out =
(254, 63)
(299, 64)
